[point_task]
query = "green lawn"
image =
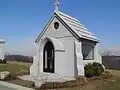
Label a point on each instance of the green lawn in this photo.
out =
(16, 68)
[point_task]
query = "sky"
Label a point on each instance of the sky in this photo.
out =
(21, 21)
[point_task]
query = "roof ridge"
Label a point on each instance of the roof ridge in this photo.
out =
(71, 19)
(68, 16)
(75, 25)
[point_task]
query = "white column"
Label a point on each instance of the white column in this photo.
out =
(35, 66)
(79, 58)
(97, 55)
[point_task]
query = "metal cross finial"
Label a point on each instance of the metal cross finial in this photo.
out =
(56, 4)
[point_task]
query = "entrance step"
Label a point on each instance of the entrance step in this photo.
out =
(50, 77)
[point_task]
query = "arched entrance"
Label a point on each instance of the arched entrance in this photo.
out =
(48, 57)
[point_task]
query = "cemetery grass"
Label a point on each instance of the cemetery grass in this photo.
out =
(112, 83)
(17, 69)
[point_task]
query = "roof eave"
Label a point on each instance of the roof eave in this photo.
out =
(46, 26)
(74, 33)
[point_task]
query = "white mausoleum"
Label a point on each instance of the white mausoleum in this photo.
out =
(64, 47)
(2, 42)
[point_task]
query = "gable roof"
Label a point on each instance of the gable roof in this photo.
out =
(74, 26)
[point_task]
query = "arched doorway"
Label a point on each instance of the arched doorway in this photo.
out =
(48, 57)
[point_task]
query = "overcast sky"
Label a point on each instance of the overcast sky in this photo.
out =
(22, 20)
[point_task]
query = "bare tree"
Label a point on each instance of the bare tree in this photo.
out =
(107, 53)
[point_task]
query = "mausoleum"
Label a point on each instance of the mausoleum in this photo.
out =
(64, 47)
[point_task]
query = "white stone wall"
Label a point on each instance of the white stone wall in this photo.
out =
(64, 61)
(97, 55)
(79, 59)
(67, 62)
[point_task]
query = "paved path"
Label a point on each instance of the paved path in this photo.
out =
(5, 88)
(10, 86)
(48, 77)
(25, 77)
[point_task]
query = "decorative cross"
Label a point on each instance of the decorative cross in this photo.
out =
(56, 4)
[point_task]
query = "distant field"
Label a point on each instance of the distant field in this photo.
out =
(20, 63)
(19, 58)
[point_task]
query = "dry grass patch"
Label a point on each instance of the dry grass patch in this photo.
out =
(80, 81)
(15, 68)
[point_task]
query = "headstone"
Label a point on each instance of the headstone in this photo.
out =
(4, 75)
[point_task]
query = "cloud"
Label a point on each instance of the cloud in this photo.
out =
(26, 47)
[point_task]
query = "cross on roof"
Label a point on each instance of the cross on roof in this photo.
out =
(56, 4)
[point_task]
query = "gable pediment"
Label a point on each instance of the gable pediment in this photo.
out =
(72, 25)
